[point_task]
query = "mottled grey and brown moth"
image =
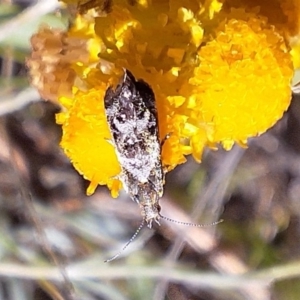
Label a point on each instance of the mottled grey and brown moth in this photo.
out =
(133, 123)
(132, 118)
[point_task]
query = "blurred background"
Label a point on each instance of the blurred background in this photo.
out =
(54, 239)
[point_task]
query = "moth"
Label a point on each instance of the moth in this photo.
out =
(132, 118)
(133, 123)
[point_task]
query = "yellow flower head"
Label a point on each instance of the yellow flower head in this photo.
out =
(220, 74)
(85, 140)
(239, 111)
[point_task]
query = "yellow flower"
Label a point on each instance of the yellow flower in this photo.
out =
(242, 100)
(220, 73)
(85, 139)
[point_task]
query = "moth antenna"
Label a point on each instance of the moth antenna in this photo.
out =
(191, 224)
(128, 243)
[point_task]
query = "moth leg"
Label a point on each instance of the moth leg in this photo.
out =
(110, 141)
(166, 168)
(135, 198)
(116, 177)
(167, 136)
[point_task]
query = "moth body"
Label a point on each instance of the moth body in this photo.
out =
(133, 123)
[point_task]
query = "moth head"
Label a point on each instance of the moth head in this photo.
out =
(125, 91)
(151, 213)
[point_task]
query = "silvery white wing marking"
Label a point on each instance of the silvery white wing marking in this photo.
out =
(133, 123)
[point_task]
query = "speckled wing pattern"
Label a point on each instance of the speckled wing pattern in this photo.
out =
(133, 123)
